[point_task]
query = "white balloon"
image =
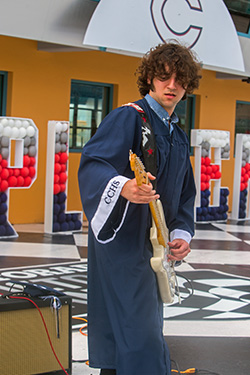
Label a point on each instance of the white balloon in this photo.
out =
(18, 123)
(30, 131)
(25, 123)
(22, 132)
(64, 127)
(58, 127)
(7, 131)
(4, 121)
(14, 132)
(199, 140)
(11, 122)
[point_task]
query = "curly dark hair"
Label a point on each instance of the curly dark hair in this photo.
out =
(179, 60)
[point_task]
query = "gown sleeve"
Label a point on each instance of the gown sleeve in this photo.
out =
(104, 169)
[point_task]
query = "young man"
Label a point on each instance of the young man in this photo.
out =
(124, 309)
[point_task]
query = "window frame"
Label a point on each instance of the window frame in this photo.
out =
(235, 134)
(110, 99)
(234, 12)
(3, 93)
(191, 117)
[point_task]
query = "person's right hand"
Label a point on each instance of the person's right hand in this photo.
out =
(139, 194)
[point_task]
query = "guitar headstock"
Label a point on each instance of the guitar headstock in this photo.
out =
(138, 169)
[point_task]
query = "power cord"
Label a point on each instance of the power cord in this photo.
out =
(86, 361)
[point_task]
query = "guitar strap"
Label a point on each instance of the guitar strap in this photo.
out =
(148, 143)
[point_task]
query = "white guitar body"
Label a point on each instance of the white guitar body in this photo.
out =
(164, 270)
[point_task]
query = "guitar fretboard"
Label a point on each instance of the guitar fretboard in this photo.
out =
(142, 178)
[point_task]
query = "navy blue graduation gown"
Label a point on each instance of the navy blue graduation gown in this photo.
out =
(124, 309)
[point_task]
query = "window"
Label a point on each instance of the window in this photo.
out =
(3, 92)
(240, 13)
(242, 121)
(185, 110)
(89, 104)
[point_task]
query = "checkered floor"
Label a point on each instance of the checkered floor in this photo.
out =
(213, 320)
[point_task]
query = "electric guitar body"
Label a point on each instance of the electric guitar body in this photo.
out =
(164, 270)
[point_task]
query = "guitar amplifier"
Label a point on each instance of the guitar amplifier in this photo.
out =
(24, 344)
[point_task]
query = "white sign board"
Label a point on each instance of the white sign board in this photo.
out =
(133, 27)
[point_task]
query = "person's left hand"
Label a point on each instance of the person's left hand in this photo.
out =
(179, 249)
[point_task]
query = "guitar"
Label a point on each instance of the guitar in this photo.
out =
(164, 270)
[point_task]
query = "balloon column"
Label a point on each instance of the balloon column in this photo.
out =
(241, 178)
(56, 218)
(18, 163)
(208, 174)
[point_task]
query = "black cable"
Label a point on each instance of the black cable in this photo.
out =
(190, 284)
(176, 365)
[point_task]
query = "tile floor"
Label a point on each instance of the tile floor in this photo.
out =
(210, 330)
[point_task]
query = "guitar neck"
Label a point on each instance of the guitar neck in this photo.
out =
(142, 178)
(161, 236)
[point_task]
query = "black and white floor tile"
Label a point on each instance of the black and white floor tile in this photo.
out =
(209, 330)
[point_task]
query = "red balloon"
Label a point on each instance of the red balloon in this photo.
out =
(218, 174)
(26, 160)
(207, 160)
(16, 172)
(5, 174)
(207, 185)
(243, 171)
(202, 161)
(203, 186)
(203, 177)
(63, 167)
(32, 172)
(62, 187)
(63, 177)
(209, 169)
(12, 181)
(4, 185)
(24, 171)
(27, 181)
(32, 161)
(57, 158)
(4, 163)
(57, 168)
(57, 189)
(63, 158)
(56, 178)
(242, 186)
(20, 181)
(203, 169)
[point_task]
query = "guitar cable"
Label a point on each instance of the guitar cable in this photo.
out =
(190, 290)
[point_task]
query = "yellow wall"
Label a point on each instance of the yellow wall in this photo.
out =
(39, 88)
